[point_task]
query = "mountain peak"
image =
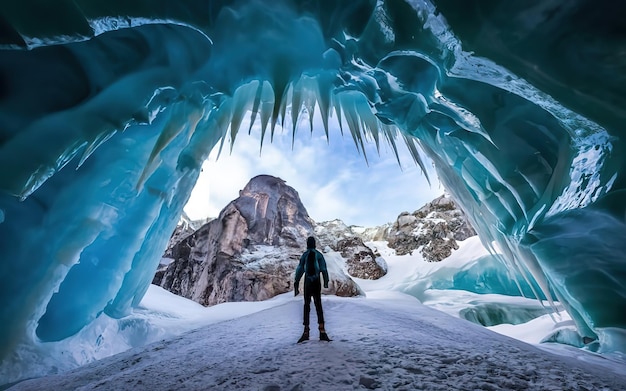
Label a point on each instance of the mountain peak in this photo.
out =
(250, 251)
(273, 212)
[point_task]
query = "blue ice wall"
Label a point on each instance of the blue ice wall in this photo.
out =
(107, 110)
(488, 275)
(85, 239)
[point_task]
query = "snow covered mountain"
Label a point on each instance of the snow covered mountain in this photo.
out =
(249, 252)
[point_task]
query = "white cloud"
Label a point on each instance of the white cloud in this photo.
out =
(332, 179)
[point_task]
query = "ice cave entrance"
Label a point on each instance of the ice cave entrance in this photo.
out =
(529, 141)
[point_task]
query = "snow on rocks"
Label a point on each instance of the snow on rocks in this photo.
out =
(432, 230)
(360, 260)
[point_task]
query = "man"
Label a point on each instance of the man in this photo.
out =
(312, 263)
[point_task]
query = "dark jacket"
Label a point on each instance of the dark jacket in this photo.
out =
(320, 266)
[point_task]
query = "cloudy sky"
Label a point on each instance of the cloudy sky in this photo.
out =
(332, 178)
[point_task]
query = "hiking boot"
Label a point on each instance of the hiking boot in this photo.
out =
(323, 335)
(305, 335)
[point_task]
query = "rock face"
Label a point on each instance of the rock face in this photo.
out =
(249, 252)
(185, 228)
(181, 232)
(361, 262)
(435, 228)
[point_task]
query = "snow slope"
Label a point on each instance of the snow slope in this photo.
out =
(386, 341)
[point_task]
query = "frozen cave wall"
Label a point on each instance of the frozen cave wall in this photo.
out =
(108, 109)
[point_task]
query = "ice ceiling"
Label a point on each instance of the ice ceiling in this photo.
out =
(109, 107)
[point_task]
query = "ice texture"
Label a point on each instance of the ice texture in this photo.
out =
(486, 275)
(108, 111)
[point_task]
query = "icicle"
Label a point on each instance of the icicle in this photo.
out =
(93, 145)
(352, 118)
(203, 140)
(417, 158)
(222, 120)
(255, 105)
(280, 108)
(338, 111)
(179, 117)
(309, 97)
(296, 106)
(266, 107)
(487, 163)
(148, 170)
(242, 99)
(184, 116)
(280, 89)
(175, 124)
(324, 87)
(206, 135)
(476, 185)
(369, 121)
(530, 264)
(283, 105)
(43, 173)
(390, 133)
(172, 128)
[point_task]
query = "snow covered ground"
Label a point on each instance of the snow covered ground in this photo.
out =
(412, 275)
(386, 340)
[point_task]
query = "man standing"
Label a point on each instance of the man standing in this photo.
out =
(312, 263)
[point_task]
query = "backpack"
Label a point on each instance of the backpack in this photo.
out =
(310, 266)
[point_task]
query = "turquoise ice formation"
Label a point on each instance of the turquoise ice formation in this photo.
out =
(109, 107)
(486, 275)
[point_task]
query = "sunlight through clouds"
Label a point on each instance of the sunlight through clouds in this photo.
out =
(332, 178)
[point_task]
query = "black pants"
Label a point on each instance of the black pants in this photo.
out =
(313, 288)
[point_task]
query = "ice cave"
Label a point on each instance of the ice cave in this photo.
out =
(109, 108)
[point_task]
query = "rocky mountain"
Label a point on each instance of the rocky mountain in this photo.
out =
(434, 228)
(360, 260)
(250, 251)
(185, 228)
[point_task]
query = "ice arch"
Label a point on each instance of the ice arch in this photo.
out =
(108, 108)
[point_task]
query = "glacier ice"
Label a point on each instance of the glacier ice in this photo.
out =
(486, 275)
(107, 112)
(491, 314)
